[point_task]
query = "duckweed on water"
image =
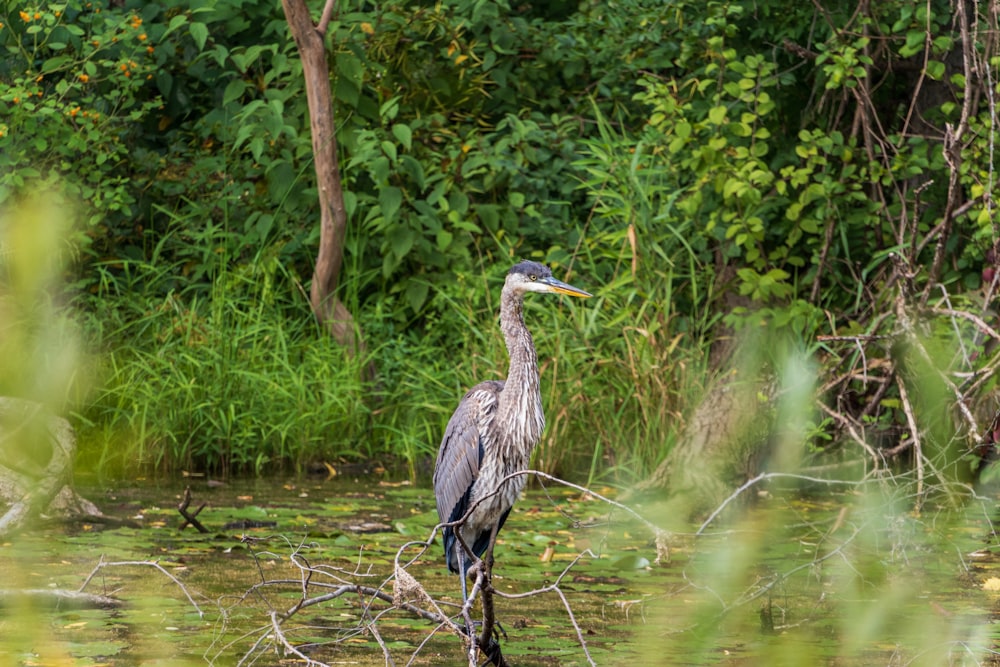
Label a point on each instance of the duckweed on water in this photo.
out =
(794, 581)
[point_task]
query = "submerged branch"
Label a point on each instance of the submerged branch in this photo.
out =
(320, 584)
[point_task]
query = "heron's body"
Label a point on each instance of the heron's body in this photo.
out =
(494, 430)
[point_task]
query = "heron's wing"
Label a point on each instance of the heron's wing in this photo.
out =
(461, 450)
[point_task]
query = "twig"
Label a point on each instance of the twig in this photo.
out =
(101, 564)
(771, 475)
(918, 454)
(554, 588)
(188, 517)
(846, 423)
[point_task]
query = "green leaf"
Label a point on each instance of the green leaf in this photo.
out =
(401, 242)
(389, 149)
(444, 239)
(403, 134)
(175, 22)
(199, 33)
(717, 115)
(234, 90)
(390, 199)
(416, 294)
(53, 64)
(935, 69)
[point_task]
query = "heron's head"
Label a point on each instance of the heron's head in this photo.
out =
(528, 276)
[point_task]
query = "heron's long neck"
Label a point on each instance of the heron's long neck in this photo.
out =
(520, 407)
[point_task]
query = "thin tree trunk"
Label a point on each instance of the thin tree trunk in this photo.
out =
(333, 216)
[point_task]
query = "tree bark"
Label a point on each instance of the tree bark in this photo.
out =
(309, 38)
(36, 457)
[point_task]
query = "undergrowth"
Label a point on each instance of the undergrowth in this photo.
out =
(240, 379)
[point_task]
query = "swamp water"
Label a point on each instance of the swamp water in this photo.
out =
(838, 579)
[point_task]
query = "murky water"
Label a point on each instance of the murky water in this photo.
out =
(853, 579)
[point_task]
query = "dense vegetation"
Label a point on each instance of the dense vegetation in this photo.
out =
(706, 168)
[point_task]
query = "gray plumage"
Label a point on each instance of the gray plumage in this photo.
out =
(494, 429)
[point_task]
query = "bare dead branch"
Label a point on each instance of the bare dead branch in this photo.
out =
(101, 564)
(766, 476)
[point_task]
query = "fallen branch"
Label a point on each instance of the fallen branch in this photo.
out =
(319, 584)
(58, 598)
(102, 564)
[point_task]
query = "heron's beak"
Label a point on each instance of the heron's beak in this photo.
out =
(559, 287)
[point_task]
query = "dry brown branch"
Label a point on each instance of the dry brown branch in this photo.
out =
(848, 425)
(57, 597)
(101, 564)
(918, 452)
(402, 592)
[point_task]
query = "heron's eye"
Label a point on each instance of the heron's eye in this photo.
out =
(532, 277)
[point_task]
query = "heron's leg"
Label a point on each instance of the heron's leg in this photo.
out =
(463, 572)
(489, 615)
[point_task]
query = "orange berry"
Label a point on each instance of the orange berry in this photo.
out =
(84, 78)
(149, 49)
(37, 16)
(142, 37)
(17, 100)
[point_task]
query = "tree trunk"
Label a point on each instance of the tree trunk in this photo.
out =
(333, 216)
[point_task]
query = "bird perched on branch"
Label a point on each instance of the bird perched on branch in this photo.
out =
(493, 431)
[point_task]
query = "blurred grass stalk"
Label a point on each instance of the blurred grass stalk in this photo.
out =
(38, 343)
(39, 362)
(817, 576)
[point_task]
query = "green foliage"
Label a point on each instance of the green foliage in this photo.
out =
(222, 382)
(705, 167)
(73, 104)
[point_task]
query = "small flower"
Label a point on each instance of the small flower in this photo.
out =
(367, 28)
(142, 37)
(17, 100)
(25, 16)
(84, 78)
(95, 43)
(37, 16)
(74, 111)
(149, 49)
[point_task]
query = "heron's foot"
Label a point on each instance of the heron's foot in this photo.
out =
(493, 653)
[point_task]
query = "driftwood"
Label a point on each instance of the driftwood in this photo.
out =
(57, 599)
(36, 457)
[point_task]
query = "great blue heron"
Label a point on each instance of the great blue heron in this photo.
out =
(494, 430)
